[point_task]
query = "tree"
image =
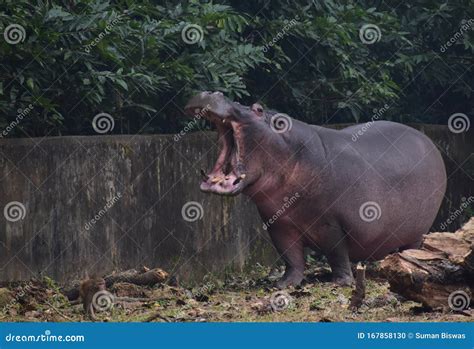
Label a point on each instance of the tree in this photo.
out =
(139, 61)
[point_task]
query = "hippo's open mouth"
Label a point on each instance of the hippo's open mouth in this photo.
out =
(228, 175)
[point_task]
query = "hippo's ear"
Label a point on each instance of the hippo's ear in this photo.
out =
(257, 109)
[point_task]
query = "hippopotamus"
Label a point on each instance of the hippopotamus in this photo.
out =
(354, 194)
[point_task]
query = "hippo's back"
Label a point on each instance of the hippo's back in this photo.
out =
(392, 169)
(396, 152)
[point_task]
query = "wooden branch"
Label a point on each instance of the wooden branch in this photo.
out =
(58, 311)
(132, 299)
(154, 317)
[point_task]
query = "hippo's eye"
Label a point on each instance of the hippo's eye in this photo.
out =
(260, 110)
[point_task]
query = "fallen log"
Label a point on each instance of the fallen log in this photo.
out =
(146, 277)
(440, 274)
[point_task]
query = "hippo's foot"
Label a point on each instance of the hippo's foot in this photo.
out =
(290, 279)
(340, 266)
(343, 280)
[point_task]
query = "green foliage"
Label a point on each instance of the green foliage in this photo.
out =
(128, 58)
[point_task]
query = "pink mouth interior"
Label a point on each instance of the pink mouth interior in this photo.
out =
(227, 176)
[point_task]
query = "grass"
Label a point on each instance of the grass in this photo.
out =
(246, 297)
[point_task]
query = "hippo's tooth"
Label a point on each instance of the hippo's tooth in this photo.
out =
(216, 179)
(223, 121)
(242, 176)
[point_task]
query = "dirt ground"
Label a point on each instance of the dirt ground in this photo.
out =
(240, 298)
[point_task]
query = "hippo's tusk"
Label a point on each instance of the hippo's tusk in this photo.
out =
(204, 175)
(237, 181)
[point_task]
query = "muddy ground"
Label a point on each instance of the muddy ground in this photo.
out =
(248, 298)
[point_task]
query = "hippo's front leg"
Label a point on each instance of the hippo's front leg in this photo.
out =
(289, 245)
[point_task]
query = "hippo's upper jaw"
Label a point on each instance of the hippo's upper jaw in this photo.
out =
(228, 175)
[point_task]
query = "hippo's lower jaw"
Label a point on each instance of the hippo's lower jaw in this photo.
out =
(224, 188)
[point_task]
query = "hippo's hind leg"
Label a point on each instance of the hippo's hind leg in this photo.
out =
(289, 245)
(336, 250)
(340, 265)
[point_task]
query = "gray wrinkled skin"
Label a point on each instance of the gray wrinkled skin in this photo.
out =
(351, 198)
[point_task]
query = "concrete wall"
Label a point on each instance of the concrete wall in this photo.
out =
(65, 183)
(458, 155)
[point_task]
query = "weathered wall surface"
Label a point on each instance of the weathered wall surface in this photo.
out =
(65, 183)
(458, 155)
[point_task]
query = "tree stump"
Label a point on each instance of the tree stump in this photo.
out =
(358, 293)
